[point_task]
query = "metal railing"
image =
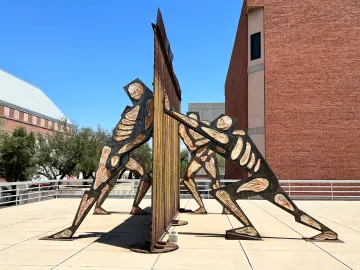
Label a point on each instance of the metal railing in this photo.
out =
(33, 191)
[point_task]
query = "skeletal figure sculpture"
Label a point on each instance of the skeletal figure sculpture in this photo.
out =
(201, 158)
(237, 146)
(134, 129)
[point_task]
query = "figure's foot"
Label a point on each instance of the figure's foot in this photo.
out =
(199, 211)
(100, 211)
(244, 233)
(328, 235)
(225, 211)
(137, 211)
(62, 235)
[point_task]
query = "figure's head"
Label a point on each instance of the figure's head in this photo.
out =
(136, 90)
(224, 122)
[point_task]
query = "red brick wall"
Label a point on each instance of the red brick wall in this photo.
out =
(9, 123)
(236, 98)
(312, 88)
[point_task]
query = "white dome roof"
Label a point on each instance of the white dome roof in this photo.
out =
(26, 96)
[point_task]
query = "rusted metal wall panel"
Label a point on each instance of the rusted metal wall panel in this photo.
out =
(166, 143)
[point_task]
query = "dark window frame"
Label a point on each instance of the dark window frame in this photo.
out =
(255, 46)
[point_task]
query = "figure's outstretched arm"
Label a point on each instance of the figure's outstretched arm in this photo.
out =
(216, 135)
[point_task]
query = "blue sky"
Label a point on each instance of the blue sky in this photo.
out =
(81, 53)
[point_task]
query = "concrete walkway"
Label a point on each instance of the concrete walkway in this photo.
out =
(102, 241)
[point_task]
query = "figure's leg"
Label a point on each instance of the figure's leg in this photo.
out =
(104, 194)
(144, 185)
(87, 201)
(212, 169)
(102, 178)
(272, 191)
(190, 184)
(225, 196)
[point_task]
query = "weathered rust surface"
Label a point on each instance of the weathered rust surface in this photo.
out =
(166, 144)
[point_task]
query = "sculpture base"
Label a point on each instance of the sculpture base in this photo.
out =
(230, 235)
(183, 210)
(179, 223)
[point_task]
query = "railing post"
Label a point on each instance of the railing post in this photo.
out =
(332, 194)
(38, 192)
(289, 190)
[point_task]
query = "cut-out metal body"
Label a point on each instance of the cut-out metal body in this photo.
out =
(134, 129)
(237, 146)
(202, 157)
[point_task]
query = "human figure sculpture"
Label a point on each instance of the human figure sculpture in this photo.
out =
(134, 129)
(237, 146)
(201, 158)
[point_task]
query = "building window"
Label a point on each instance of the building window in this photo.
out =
(26, 117)
(255, 46)
(6, 111)
(49, 124)
(34, 120)
(42, 122)
(56, 126)
(16, 114)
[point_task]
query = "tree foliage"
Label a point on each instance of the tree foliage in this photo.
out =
(17, 162)
(65, 153)
(143, 154)
(92, 143)
(184, 154)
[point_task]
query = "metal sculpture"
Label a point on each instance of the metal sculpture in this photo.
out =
(237, 146)
(201, 158)
(134, 129)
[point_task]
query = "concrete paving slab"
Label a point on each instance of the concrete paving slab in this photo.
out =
(261, 259)
(36, 255)
(203, 259)
(111, 256)
(104, 240)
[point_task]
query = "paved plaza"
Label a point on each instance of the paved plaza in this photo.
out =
(102, 241)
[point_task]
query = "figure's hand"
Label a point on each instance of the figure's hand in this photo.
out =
(166, 103)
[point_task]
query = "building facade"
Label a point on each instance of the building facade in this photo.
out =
(22, 104)
(294, 83)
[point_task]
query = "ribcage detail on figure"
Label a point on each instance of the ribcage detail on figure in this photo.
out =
(245, 152)
(126, 126)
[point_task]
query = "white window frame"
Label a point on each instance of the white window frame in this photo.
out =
(6, 111)
(16, 114)
(49, 124)
(26, 117)
(56, 126)
(42, 122)
(34, 120)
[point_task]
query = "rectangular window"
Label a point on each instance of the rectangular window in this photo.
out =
(56, 126)
(49, 124)
(42, 122)
(34, 120)
(26, 117)
(255, 45)
(16, 114)
(6, 111)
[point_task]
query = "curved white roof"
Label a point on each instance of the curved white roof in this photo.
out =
(24, 95)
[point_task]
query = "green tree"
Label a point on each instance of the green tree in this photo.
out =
(221, 161)
(143, 155)
(92, 143)
(184, 154)
(59, 153)
(17, 151)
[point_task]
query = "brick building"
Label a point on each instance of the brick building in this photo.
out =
(22, 104)
(294, 83)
